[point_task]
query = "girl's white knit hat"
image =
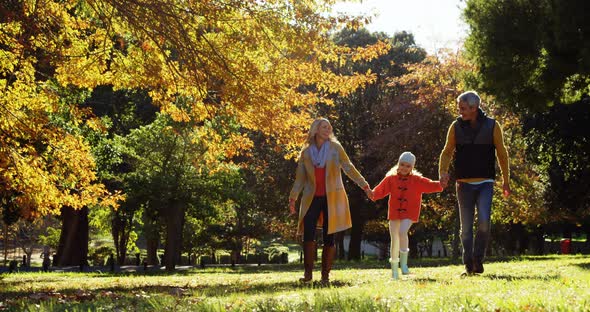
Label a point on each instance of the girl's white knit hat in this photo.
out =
(407, 157)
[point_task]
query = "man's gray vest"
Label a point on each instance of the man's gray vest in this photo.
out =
(475, 153)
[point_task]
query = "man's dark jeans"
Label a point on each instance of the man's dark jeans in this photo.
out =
(470, 197)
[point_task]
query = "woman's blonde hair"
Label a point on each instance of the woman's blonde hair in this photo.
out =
(393, 171)
(313, 130)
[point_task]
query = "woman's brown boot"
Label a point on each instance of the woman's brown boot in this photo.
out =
(309, 250)
(328, 254)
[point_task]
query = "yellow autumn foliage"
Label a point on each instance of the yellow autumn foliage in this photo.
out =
(265, 63)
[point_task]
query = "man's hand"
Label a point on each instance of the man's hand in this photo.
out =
(444, 180)
(292, 206)
(506, 189)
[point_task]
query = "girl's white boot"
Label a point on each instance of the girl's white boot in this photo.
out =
(404, 262)
(395, 269)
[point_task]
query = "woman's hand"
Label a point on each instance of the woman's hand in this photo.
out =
(369, 192)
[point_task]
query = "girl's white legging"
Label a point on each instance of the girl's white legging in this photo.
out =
(398, 231)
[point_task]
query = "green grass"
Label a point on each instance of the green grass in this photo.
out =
(547, 283)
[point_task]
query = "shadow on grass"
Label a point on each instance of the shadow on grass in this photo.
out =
(509, 278)
(584, 265)
(443, 261)
(425, 280)
(209, 290)
(132, 271)
(270, 268)
(270, 288)
(540, 258)
(224, 290)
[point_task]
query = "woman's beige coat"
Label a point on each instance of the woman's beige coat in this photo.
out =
(338, 209)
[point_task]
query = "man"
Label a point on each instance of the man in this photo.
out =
(475, 140)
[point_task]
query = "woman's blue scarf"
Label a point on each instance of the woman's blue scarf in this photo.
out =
(319, 157)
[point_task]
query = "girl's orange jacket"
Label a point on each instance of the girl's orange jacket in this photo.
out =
(405, 195)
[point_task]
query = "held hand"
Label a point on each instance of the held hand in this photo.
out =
(368, 192)
(506, 189)
(444, 180)
(292, 206)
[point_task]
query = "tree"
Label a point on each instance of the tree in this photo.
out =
(45, 163)
(120, 112)
(268, 178)
(73, 242)
(218, 57)
(169, 161)
(246, 59)
(27, 236)
(558, 146)
(530, 54)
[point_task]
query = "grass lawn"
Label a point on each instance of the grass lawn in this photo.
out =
(544, 283)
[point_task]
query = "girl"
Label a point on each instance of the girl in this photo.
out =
(405, 186)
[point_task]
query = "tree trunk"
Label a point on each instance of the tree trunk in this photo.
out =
(341, 253)
(538, 241)
(415, 252)
(123, 240)
(522, 238)
(174, 220)
(5, 243)
(429, 244)
(121, 227)
(117, 230)
(152, 236)
(73, 241)
(238, 251)
(356, 232)
(28, 252)
(152, 250)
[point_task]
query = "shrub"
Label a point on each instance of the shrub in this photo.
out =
(276, 253)
(100, 255)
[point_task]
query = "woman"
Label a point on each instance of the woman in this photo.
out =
(324, 201)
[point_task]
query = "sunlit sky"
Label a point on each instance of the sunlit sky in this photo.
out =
(435, 23)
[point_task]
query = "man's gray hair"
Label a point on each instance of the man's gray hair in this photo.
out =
(470, 97)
